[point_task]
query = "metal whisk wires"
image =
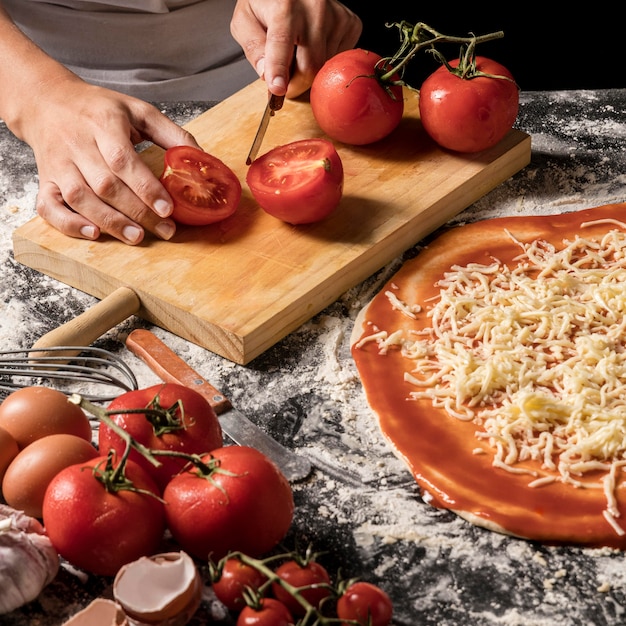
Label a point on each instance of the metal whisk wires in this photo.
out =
(95, 373)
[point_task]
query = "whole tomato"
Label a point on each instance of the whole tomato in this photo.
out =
(235, 577)
(181, 420)
(311, 575)
(240, 501)
(365, 604)
(270, 612)
(469, 114)
(99, 527)
(350, 103)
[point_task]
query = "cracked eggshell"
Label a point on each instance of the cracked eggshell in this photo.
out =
(101, 612)
(160, 590)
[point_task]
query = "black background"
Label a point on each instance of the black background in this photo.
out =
(569, 49)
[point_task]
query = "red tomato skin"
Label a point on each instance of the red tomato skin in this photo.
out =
(98, 531)
(203, 188)
(271, 613)
(202, 434)
(349, 104)
(298, 183)
(235, 578)
(366, 604)
(312, 573)
(469, 115)
(247, 508)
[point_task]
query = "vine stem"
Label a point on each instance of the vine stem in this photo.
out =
(418, 37)
(311, 612)
(103, 416)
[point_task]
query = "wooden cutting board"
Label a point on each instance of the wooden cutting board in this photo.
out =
(239, 286)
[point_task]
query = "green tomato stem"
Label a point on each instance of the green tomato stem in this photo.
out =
(417, 37)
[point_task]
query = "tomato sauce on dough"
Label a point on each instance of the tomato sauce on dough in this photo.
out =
(441, 450)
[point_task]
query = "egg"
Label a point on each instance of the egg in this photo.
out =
(34, 412)
(29, 473)
(8, 450)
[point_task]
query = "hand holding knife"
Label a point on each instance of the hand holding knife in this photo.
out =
(274, 103)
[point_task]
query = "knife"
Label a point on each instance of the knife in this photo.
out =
(274, 103)
(171, 368)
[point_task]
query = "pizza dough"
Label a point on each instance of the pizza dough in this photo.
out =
(560, 489)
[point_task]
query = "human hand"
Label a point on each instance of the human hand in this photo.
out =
(91, 179)
(268, 30)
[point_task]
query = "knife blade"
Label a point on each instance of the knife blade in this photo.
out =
(274, 103)
(166, 364)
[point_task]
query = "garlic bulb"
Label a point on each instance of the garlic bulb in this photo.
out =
(28, 561)
(160, 590)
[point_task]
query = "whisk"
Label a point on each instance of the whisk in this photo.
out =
(95, 373)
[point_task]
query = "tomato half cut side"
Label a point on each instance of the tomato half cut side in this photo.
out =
(203, 188)
(299, 182)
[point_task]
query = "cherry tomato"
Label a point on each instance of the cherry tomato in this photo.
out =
(203, 188)
(302, 575)
(300, 182)
(243, 504)
(366, 604)
(349, 102)
(270, 613)
(469, 114)
(33, 412)
(98, 530)
(25, 481)
(192, 427)
(235, 578)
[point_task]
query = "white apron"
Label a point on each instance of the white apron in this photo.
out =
(157, 50)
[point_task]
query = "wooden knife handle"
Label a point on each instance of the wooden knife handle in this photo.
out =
(91, 324)
(169, 367)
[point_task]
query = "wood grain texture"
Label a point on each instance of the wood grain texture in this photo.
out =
(239, 286)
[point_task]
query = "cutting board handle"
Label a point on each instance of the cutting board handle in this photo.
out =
(91, 324)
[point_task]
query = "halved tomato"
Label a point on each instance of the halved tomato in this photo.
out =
(203, 188)
(300, 182)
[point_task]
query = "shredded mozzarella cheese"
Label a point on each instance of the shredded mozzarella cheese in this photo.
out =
(535, 356)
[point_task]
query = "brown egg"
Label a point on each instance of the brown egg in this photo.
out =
(28, 475)
(34, 412)
(8, 451)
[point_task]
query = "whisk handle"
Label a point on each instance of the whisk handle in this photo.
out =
(91, 324)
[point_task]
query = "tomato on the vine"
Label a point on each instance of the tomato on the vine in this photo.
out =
(271, 612)
(350, 103)
(302, 575)
(203, 188)
(239, 501)
(469, 114)
(299, 182)
(366, 604)
(97, 529)
(235, 577)
(184, 422)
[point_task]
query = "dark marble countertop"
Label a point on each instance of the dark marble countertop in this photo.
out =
(364, 509)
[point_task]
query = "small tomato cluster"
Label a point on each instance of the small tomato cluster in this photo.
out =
(280, 589)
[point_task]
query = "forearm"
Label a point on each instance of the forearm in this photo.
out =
(27, 76)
